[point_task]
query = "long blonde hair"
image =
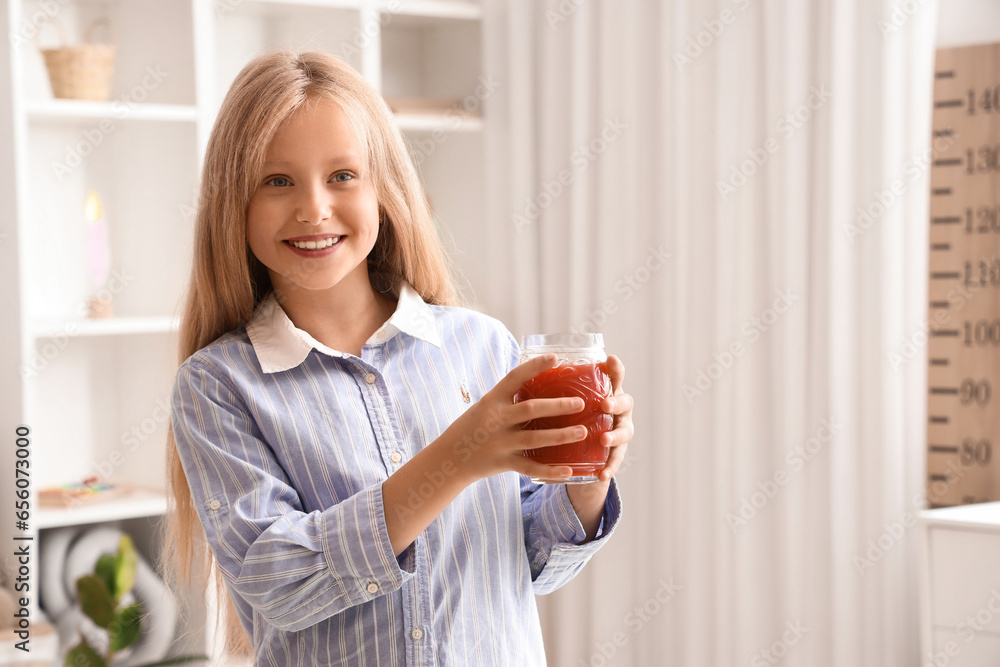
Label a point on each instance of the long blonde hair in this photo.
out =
(227, 281)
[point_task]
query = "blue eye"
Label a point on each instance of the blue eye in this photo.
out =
(346, 177)
(278, 181)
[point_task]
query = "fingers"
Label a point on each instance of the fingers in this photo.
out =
(614, 462)
(536, 408)
(618, 404)
(621, 434)
(511, 382)
(538, 470)
(616, 371)
(531, 439)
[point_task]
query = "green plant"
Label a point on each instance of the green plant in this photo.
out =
(99, 595)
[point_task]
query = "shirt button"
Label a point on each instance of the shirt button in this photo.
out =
(215, 504)
(395, 457)
(370, 378)
(417, 634)
(372, 588)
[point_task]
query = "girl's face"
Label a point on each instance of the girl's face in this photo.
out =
(313, 218)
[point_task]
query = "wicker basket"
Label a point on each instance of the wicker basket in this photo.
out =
(83, 71)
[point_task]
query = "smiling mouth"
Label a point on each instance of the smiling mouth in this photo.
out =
(321, 244)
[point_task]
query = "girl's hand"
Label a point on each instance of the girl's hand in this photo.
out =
(619, 405)
(588, 499)
(488, 439)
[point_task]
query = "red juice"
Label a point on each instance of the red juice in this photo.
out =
(589, 381)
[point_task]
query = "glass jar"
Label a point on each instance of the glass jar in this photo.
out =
(582, 372)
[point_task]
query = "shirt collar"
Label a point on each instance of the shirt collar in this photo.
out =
(280, 345)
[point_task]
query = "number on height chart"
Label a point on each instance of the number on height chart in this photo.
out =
(971, 391)
(989, 220)
(984, 160)
(982, 333)
(988, 100)
(975, 452)
(989, 273)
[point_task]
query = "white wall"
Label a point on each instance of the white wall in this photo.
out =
(966, 22)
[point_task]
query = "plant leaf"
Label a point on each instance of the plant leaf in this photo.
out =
(126, 566)
(105, 570)
(83, 656)
(176, 660)
(125, 628)
(95, 599)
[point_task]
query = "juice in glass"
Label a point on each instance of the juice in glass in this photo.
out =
(582, 372)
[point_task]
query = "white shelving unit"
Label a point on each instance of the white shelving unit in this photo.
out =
(959, 586)
(95, 392)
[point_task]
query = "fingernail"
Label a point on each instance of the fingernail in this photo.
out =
(578, 403)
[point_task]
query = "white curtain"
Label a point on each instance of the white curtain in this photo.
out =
(777, 439)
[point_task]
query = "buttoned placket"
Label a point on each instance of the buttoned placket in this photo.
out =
(388, 435)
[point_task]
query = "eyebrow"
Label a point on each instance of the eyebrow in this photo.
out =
(337, 160)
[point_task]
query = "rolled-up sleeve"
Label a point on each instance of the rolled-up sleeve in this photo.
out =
(553, 532)
(293, 567)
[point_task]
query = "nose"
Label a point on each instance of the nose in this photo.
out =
(314, 203)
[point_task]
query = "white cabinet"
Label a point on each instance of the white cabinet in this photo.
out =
(960, 585)
(94, 392)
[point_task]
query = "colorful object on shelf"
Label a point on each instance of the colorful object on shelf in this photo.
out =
(90, 490)
(98, 257)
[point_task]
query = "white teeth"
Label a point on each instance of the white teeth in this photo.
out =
(315, 245)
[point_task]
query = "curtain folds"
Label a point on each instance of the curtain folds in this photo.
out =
(688, 178)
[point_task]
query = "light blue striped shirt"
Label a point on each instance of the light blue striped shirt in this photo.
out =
(285, 444)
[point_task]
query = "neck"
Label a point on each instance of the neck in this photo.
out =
(342, 317)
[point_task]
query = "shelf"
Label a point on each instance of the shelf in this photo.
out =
(415, 122)
(445, 9)
(70, 111)
(976, 515)
(138, 504)
(113, 326)
(322, 4)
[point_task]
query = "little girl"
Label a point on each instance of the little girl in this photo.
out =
(346, 437)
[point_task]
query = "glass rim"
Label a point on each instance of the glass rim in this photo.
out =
(563, 341)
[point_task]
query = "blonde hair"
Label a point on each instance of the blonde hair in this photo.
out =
(227, 281)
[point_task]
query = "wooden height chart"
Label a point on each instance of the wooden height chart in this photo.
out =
(963, 454)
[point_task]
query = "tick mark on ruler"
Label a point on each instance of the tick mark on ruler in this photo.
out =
(940, 246)
(944, 104)
(937, 192)
(945, 390)
(944, 74)
(939, 362)
(950, 162)
(945, 275)
(950, 220)
(943, 133)
(939, 478)
(938, 420)
(944, 449)
(945, 332)
(940, 304)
